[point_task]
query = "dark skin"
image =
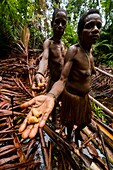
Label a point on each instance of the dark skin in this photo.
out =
(78, 77)
(78, 81)
(53, 52)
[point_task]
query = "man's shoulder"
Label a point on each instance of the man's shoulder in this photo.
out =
(47, 40)
(47, 43)
(71, 52)
(73, 48)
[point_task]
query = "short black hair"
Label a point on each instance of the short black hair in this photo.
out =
(83, 17)
(56, 10)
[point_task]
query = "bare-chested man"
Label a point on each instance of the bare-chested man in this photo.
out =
(75, 80)
(53, 51)
(53, 55)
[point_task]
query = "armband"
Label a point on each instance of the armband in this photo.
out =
(39, 73)
(53, 96)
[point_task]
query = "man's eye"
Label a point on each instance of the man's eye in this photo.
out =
(63, 23)
(92, 24)
(89, 25)
(57, 21)
(99, 25)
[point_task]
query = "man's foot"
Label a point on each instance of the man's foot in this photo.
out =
(77, 138)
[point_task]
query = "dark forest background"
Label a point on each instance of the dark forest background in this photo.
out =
(25, 24)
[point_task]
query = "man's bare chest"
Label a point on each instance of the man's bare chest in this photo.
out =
(56, 50)
(56, 53)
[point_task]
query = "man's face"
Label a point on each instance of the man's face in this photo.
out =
(92, 28)
(59, 24)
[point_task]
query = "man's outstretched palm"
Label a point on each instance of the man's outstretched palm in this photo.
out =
(43, 104)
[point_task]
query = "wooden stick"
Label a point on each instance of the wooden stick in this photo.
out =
(102, 106)
(44, 148)
(105, 153)
(104, 72)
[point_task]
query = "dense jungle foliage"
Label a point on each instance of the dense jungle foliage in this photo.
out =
(24, 24)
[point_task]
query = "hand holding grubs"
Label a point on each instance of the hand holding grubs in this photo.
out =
(39, 87)
(29, 127)
(41, 108)
(34, 119)
(38, 83)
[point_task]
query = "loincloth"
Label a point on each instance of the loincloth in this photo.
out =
(75, 109)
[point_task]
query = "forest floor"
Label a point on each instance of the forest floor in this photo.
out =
(16, 75)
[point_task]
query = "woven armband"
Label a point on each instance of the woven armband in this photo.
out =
(39, 73)
(53, 96)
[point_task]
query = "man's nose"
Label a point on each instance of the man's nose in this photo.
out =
(95, 29)
(60, 25)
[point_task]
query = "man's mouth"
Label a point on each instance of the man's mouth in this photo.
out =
(60, 31)
(95, 36)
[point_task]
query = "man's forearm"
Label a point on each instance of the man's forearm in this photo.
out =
(43, 66)
(57, 88)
